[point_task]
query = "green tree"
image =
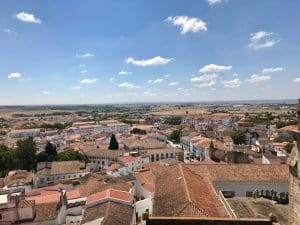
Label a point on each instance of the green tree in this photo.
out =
(173, 120)
(70, 155)
(113, 145)
(175, 136)
(238, 137)
(50, 149)
(3, 132)
(283, 139)
(26, 150)
(138, 131)
(42, 157)
(7, 159)
(289, 147)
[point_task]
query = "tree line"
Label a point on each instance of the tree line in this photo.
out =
(25, 156)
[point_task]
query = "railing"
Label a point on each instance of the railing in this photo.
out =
(227, 206)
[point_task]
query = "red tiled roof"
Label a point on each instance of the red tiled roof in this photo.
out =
(113, 166)
(112, 212)
(290, 128)
(147, 180)
(242, 172)
(127, 159)
(109, 194)
(196, 194)
(73, 194)
(43, 196)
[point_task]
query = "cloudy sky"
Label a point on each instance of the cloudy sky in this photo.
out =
(56, 52)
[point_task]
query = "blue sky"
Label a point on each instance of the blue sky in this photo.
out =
(57, 52)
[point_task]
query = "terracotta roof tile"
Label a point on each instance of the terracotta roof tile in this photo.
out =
(73, 194)
(242, 172)
(46, 211)
(109, 194)
(147, 180)
(26, 203)
(18, 177)
(190, 201)
(94, 183)
(113, 214)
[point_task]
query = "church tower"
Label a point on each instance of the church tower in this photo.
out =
(294, 177)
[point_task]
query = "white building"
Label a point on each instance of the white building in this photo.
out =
(48, 172)
(24, 133)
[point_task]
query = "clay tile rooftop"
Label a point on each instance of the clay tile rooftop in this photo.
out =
(191, 202)
(109, 194)
(188, 179)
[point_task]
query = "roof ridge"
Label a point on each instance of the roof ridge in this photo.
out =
(185, 184)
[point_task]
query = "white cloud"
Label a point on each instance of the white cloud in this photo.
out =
(158, 81)
(150, 81)
(86, 55)
(148, 93)
(174, 83)
(76, 88)
(88, 81)
(254, 79)
(212, 2)
(187, 24)
(128, 86)
(213, 68)
(167, 75)
(28, 18)
(232, 83)
(123, 72)
(272, 70)
(15, 76)
(207, 84)
(262, 39)
(157, 60)
(297, 80)
(235, 75)
(45, 92)
(83, 71)
(205, 78)
(82, 65)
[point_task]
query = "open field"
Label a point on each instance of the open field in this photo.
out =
(168, 110)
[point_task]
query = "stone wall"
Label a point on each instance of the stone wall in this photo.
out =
(294, 183)
(206, 221)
